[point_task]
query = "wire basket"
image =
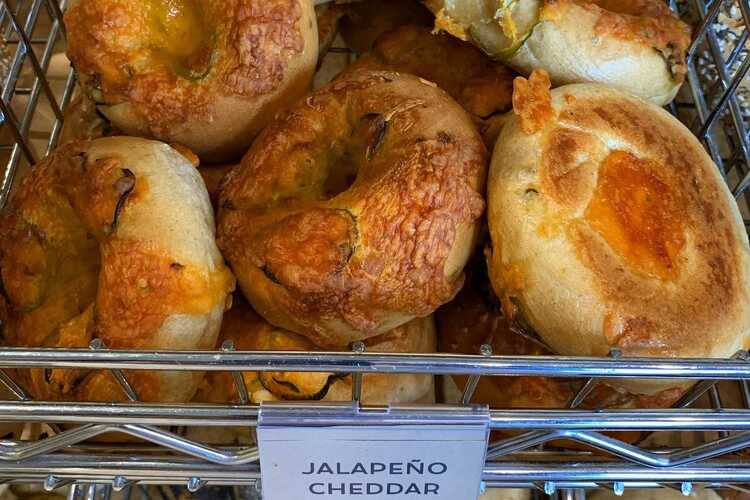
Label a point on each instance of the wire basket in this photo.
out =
(709, 454)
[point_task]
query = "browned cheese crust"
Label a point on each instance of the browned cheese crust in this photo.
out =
(249, 332)
(70, 276)
(611, 227)
(355, 211)
(482, 86)
(173, 61)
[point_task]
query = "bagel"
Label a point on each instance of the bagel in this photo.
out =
(82, 121)
(327, 16)
(212, 175)
(638, 46)
(205, 73)
(364, 21)
(356, 210)
(249, 332)
(473, 318)
(612, 227)
(113, 239)
(481, 86)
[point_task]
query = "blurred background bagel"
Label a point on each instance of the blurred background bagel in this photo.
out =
(611, 227)
(483, 87)
(638, 46)
(364, 21)
(112, 239)
(249, 332)
(356, 210)
(209, 74)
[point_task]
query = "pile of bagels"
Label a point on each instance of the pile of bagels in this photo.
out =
(477, 175)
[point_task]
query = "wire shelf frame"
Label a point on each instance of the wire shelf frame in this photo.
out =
(712, 103)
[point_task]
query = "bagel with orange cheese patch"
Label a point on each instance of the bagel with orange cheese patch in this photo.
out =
(612, 228)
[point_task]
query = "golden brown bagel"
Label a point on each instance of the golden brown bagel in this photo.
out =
(481, 86)
(112, 239)
(205, 73)
(82, 121)
(212, 175)
(328, 16)
(249, 332)
(364, 21)
(355, 211)
(612, 227)
(638, 46)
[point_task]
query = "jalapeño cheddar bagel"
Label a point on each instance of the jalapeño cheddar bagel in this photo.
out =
(112, 239)
(205, 73)
(356, 210)
(249, 332)
(638, 46)
(612, 227)
(483, 87)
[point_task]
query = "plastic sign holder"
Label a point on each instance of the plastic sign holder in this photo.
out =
(330, 450)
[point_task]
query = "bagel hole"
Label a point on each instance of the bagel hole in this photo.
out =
(363, 144)
(181, 36)
(340, 179)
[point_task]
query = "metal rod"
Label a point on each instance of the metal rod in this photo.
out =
(584, 473)
(592, 383)
(188, 447)
(239, 380)
(124, 413)
(13, 386)
(122, 381)
(64, 102)
(598, 472)
(242, 415)
(357, 348)
(15, 128)
(715, 398)
(38, 68)
(725, 98)
(74, 491)
(454, 364)
(9, 84)
(706, 22)
(725, 80)
(471, 384)
(583, 393)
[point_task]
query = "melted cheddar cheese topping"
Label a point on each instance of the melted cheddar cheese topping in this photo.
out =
(180, 36)
(637, 214)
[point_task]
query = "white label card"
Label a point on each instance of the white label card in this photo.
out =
(441, 462)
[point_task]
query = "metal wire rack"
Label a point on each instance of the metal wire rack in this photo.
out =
(711, 103)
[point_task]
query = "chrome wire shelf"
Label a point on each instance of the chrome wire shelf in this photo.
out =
(165, 453)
